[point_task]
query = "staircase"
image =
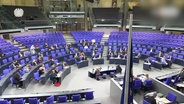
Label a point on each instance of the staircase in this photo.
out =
(68, 38)
(22, 48)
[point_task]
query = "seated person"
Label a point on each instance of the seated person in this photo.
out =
(119, 55)
(17, 79)
(138, 55)
(34, 63)
(143, 78)
(51, 60)
(53, 77)
(20, 54)
(125, 56)
(27, 68)
(42, 70)
(115, 54)
(181, 74)
(118, 69)
(56, 70)
(147, 61)
(150, 97)
(160, 54)
(164, 62)
(46, 45)
(16, 64)
(39, 59)
(64, 64)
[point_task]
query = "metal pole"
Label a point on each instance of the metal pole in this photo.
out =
(85, 17)
(128, 61)
(124, 16)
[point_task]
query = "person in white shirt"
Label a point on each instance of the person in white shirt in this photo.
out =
(32, 49)
(163, 61)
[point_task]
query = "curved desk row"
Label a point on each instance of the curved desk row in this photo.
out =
(9, 63)
(26, 78)
(6, 80)
(43, 96)
(108, 71)
(61, 75)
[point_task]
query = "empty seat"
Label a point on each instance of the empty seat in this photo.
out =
(33, 101)
(76, 97)
(89, 95)
(62, 99)
(18, 101)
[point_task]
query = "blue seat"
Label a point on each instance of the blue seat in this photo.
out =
(49, 100)
(12, 82)
(76, 97)
(137, 84)
(60, 68)
(89, 95)
(5, 61)
(168, 80)
(62, 99)
(112, 74)
(33, 101)
(148, 84)
(6, 71)
(36, 76)
(10, 59)
(18, 101)
(171, 97)
(4, 101)
(104, 75)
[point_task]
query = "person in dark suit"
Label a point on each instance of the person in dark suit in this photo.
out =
(97, 73)
(53, 77)
(17, 79)
(150, 97)
(118, 69)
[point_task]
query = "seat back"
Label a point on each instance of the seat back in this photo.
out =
(171, 97)
(18, 101)
(33, 101)
(137, 84)
(89, 95)
(168, 80)
(36, 76)
(148, 83)
(62, 99)
(76, 97)
(50, 100)
(4, 102)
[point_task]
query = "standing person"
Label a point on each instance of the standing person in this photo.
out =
(97, 73)
(32, 49)
(53, 77)
(181, 74)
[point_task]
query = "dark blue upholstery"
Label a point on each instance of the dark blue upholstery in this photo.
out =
(171, 97)
(89, 95)
(137, 84)
(49, 100)
(76, 97)
(33, 101)
(62, 99)
(19, 101)
(4, 102)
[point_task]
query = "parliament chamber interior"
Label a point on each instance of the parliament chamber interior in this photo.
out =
(91, 52)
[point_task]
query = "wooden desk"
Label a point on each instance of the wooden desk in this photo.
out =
(162, 100)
